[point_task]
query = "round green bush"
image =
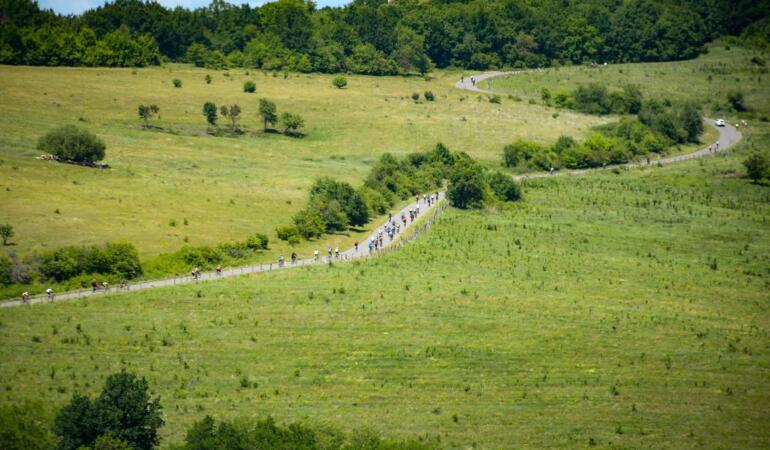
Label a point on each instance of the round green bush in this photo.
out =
(340, 82)
(71, 143)
(249, 87)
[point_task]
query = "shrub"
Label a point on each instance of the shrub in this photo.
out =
(289, 233)
(495, 99)
(266, 434)
(199, 256)
(207, 78)
(123, 410)
(353, 204)
(177, 82)
(210, 113)
(115, 258)
(249, 87)
(232, 112)
(415, 96)
(757, 166)
(308, 224)
(735, 98)
(146, 112)
(71, 143)
(6, 232)
(520, 152)
(504, 187)
(340, 82)
(429, 96)
(563, 143)
(258, 241)
(292, 123)
(592, 99)
(467, 187)
(267, 110)
(563, 98)
(6, 270)
(545, 95)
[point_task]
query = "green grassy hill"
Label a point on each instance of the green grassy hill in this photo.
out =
(226, 188)
(626, 310)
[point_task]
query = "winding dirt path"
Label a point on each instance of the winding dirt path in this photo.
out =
(728, 136)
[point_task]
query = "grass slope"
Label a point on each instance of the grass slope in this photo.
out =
(706, 80)
(226, 188)
(626, 310)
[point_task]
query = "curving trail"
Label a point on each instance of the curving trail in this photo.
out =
(347, 255)
(728, 136)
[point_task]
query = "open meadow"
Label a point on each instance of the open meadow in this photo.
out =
(217, 189)
(706, 80)
(626, 310)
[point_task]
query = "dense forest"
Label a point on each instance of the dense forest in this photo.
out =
(374, 36)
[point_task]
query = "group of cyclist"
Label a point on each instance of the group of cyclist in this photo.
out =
(376, 242)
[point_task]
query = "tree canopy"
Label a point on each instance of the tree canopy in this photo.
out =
(371, 36)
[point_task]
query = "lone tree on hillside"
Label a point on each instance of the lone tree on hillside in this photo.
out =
(232, 112)
(757, 166)
(70, 143)
(268, 111)
(292, 123)
(146, 112)
(467, 187)
(123, 410)
(210, 112)
(6, 232)
(340, 82)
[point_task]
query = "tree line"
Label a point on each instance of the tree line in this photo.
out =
(126, 416)
(374, 37)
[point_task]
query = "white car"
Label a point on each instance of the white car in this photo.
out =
(720, 122)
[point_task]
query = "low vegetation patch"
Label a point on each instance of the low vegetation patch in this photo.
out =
(72, 144)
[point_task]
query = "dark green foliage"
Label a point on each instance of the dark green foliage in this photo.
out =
(6, 270)
(504, 187)
(292, 233)
(268, 112)
(258, 241)
(123, 410)
(757, 165)
(146, 112)
(429, 96)
(340, 82)
(467, 186)
(266, 434)
(592, 99)
(735, 99)
(6, 232)
(415, 96)
(210, 113)
(691, 122)
(249, 87)
(521, 152)
(177, 82)
(292, 123)
(23, 427)
(563, 143)
(207, 78)
(353, 203)
(114, 258)
(366, 37)
(495, 99)
(71, 143)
